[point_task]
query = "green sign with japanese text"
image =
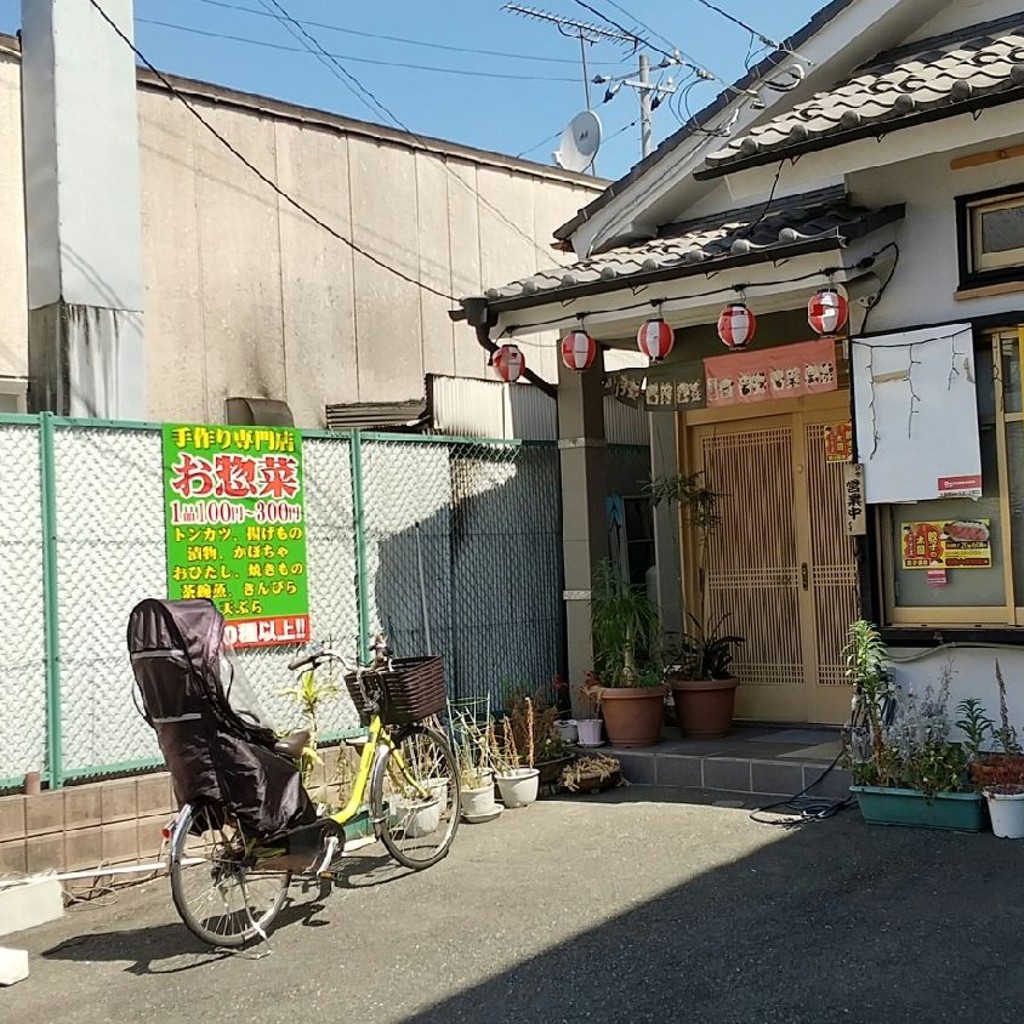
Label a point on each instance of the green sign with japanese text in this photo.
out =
(236, 528)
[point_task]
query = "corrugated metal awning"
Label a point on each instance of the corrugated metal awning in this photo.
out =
(410, 417)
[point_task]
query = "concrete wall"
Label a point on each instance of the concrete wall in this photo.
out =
(246, 296)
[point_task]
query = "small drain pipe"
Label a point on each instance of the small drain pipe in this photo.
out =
(479, 316)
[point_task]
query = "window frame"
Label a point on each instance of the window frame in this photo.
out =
(1009, 614)
(1002, 268)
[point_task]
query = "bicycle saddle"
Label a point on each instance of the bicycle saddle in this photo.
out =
(293, 745)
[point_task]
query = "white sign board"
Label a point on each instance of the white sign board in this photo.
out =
(917, 414)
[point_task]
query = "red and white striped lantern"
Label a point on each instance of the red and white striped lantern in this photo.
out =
(655, 339)
(509, 362)
(827, 312)
(578, 350)
(736, 326)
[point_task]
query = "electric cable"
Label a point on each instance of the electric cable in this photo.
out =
(808, 808)
(448, 47)
(766, 40)
(373, 61)
(269, 182)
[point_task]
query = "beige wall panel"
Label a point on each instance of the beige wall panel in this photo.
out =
(240, 265)
(435, 261)
(319, 309)
(13, 301)
(176, 384)
(390, 357)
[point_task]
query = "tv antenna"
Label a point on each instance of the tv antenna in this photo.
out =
(584, 31)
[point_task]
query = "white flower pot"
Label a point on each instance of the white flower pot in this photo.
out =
(568, 732)
(477, 802)
(1007, 813)
(589, 731)
(421, 819)
(519, 787)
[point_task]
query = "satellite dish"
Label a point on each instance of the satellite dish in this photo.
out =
(580, 142)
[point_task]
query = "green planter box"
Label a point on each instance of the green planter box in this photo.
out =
(359, 827)
(961, 812)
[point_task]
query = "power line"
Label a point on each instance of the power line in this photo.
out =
(766, 40)
(249, 41)
(396, 120)
(269, 182)
(398, 39)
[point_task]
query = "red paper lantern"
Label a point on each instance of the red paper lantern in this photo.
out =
(827, 312)
(655, 339)
(736, 326)
(510, 363)
(578, 350)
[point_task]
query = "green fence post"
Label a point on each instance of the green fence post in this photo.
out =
(359, 525)
(51, 607)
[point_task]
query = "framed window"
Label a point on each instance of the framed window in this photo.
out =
(990, 228)
(990, 593)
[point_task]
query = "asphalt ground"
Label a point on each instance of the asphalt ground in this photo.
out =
(638, 905)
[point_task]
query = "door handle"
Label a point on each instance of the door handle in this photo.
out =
(804, 575)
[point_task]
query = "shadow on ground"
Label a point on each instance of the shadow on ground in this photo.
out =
(831, 921)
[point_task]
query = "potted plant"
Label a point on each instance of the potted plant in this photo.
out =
(998, 774)
(588, 730)
(702, 681)
(591, 774)
(905, 768)
(538, 737)
(517, 783)
(625, 624)
(476, 800)
(700, 674)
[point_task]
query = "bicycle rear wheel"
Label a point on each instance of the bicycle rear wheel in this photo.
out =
(220, 897)
(414, 794)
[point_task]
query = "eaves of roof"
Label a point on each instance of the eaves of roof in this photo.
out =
(975, 68)
(818, 222)
(700, 119)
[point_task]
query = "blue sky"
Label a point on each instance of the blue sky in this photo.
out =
(504, 103)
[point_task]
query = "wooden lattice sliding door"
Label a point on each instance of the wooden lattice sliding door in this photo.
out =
(780, 563)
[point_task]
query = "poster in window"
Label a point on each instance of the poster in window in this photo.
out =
(938, 545)
(839, 441)
(916, 399)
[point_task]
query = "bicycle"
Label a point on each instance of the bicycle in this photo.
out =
(229, 889)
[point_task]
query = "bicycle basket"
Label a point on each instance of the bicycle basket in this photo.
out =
(411, 691)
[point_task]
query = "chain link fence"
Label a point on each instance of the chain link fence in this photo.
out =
(457, 551)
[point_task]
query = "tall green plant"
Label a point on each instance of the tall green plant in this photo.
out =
(867, 670)
(625, 625)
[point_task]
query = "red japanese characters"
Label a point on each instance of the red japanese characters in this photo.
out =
(235, 476)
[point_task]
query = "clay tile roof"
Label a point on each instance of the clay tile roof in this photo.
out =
(981, 65)
(816, 221)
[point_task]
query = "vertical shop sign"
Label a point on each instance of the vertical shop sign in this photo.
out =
(236, 528)
(853, 493)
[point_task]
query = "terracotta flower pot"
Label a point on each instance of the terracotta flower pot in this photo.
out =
(704, 706)
(633, 715)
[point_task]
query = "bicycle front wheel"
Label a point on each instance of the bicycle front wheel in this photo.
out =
(414, 794)
(220, 897)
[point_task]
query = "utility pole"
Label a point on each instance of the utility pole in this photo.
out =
(645, 105)
(651, 95)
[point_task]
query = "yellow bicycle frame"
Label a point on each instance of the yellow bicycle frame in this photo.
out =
(377, 735)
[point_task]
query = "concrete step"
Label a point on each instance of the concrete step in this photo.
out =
(733, 773)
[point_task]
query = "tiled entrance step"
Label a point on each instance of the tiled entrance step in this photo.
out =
(755, 760)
